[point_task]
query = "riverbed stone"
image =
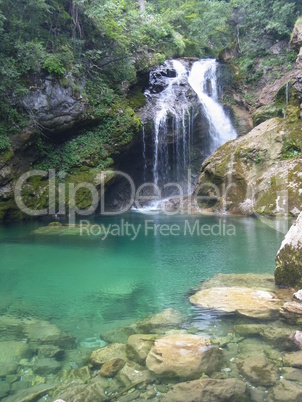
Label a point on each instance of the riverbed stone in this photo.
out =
(238, 300)
(293, 359)
(138, 346)
(288, 391)
(282, 337)
(118, 335)
(259, 371)
(292, 312)
(165, 319)
(184, 356)
(292, 374)
(110, 352)
(288, 271)
(208, 390)
(133, 374)
(45, 333)
(14, 351)
(46, 366)
(111, 368)
(31, 394)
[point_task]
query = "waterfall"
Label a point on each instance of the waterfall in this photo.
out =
(182, 104)
(203, 80)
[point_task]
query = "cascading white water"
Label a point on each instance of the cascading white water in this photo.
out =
(203, 80)
(175, 122)
(169, 105)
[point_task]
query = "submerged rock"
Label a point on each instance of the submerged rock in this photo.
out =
(259, 371)
(293, 359)
(238, 300)
(110, 352)
(183, 356)
(288, 271)
(208, 390)
(288, 391)
(167, 318)
(138, 347)
(111, 368)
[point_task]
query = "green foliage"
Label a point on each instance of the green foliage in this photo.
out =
(4, 142)
(290, 149)
(54, 65)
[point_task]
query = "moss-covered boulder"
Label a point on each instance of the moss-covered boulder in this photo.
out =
(288, 271)
(259, 173)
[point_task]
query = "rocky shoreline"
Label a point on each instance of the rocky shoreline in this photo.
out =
(251, 351)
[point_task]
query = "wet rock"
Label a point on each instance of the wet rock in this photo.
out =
(298, 296)
(7, 368)
(82, 393)
(259, 371)
(118, 335)
(132, 396)
(11, 328)
(282, 337)
(164, 319)
(46, 366)
(4, 389)
(208, 390)
(292, 312)
(111, 368)
(288, 271)
(243, 301)
(133, 375)
(50, 351)
(138, 347)
(14, 351)
(31, 394)
(45, 333)
(110, 352)
(293, 359)
(183, 356)
(292, 374)
(79, 374)
(288, 391)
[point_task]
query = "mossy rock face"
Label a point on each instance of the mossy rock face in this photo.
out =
(288, 271)
(266, 112)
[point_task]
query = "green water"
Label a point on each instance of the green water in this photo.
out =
(87, 285)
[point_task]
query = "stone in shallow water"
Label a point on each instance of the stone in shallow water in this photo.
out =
(138, 347)
(184, 356)
(118, 335)
(133, 374)
(14, 351)
(31, 394)
(243, 301)
(292, 374)
(292, 312)
(259, 371)
(164, 319)
(208, 390)
(293, 359)
(111, 368)
(110, 352)
(288, 391)
(46, 366)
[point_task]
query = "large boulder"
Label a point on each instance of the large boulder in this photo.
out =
(252, 173)
(138, 347)
(54, 107)
(288, 271)
(184, 356)
(244, 301)
(296, 38)
(208, 390)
